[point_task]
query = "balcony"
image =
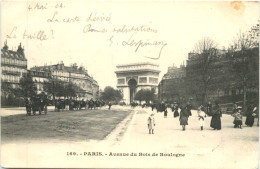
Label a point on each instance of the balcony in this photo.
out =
(8, 72)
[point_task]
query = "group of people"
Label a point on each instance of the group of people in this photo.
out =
(204, 111)
(251, 114)
(74, 104)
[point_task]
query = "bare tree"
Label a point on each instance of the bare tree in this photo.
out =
(246, 40)
(242, 58)
(205, 45)
(206, 51)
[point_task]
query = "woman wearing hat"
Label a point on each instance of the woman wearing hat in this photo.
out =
(215, 120)
(184, 116)
(238, 118)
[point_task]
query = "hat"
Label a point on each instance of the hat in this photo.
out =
(239, 107)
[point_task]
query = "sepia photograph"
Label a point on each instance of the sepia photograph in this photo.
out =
(129, 84)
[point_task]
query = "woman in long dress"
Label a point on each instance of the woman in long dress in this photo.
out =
(250, 116)
(215, 120)
(184, 116)
(175, 110)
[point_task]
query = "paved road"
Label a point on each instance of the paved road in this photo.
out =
(18, 110)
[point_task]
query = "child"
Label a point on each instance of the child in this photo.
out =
(151, 123)
(238, 118)
(202, 116)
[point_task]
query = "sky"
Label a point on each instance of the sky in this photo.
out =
(91, 33)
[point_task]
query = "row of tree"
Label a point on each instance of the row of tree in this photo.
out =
(238, 68)
(27, 88)
(112, 95)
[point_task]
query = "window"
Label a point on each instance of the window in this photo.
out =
(142, 80)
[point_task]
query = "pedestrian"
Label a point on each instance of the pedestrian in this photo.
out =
(256, 114)
(202, 116)
(189, 107)
(164, 109)
(250, 116)
(216, 115)
(109, 105)
(28, 105)
(175, 109)
(184, 116)
(152, 106)
(151, 123)
(238, 118)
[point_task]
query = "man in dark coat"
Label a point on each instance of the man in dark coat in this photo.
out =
(164, 109)
(215, 120)
(189, 107)
(28, 106)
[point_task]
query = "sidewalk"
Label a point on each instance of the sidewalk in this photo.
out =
(226, 148)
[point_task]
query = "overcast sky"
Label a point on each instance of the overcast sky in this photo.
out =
(168, 30)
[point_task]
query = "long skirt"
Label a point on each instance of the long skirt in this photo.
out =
(215, 122)
(165, 113)
(250, 121)
(184, 120)
(237, 122)
(176, 113)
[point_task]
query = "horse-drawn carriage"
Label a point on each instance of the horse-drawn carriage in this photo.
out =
(36, 103)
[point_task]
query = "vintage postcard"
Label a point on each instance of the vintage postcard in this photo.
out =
(129, 84)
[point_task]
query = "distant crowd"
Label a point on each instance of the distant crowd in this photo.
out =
(183, 111)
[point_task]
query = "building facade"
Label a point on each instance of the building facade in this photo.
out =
(79, 76)
(133, 77)
(13, 65)
(223, 79)
(172, 86)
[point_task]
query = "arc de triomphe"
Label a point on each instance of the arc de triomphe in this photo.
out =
(133, 77)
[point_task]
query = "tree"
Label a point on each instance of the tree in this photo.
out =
(206, 51)
(27, 87)
(59, 89)
(139, 95)
(110, 94)
(6, 89)
(70, 90)
(146, 95)
(243, 64)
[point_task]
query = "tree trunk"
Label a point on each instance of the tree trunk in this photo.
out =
(244, 98)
